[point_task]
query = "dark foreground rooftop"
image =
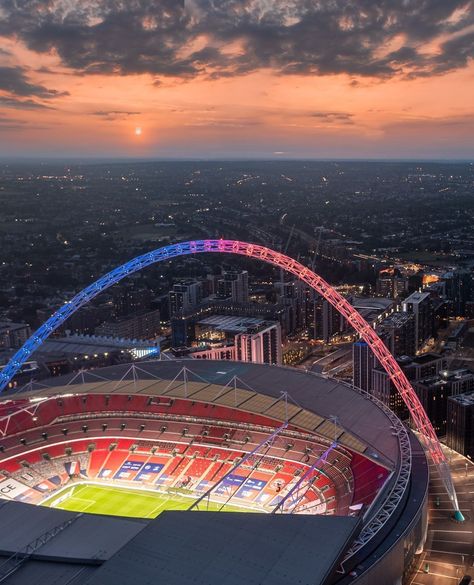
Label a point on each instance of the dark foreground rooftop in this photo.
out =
(228, 548)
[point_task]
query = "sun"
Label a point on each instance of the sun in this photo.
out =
(138, 131)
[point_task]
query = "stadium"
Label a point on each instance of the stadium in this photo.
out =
(154, 473)
(206, 472)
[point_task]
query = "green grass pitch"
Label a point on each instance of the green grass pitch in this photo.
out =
(115, 501)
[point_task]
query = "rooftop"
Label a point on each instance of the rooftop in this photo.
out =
(466, 399)
(233, 324)
(238, 548)
(417, 297)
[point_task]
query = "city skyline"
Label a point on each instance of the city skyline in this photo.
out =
(256, 79)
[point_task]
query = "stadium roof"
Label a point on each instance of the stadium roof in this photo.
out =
(231, 548)
(313, 401)
(83, 537)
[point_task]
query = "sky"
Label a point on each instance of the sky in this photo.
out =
(237, 78)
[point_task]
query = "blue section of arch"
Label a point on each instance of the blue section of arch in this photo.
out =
(87, 294)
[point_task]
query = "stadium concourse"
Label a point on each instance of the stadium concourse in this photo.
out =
(206, 472)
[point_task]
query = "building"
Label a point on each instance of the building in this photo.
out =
(13, 335)
(423, 366)
(128, 300)
(420, 304)
(88, 318)
(301, 300)
(399, 329)
(363, 363)
(227, 337)
(182, 330)
(460, 424)
(456, 336)
(145, 325)
(328, 322)
(184, 297)
(183, 326)
(383, 389)
(91, 347)
(224, 352)
(434, 394)
(391, 284)
(234, 285)
(459, 291)
(260, 345)
(224, 328)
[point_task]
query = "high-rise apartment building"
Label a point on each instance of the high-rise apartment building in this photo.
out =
(460, 424)
(327, 320)
(261, 345)
(391, 283)
(129, 299)
(399, 330)
(234, 285)
(363, 363)
(183, 297)
(383, 389)
(434, 394)
(421, 306)
(459, 291)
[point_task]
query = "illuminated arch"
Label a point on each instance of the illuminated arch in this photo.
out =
(367, 333)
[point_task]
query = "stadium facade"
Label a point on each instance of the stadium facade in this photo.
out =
(341, 485)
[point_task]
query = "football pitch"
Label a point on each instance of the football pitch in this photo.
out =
(115, 501)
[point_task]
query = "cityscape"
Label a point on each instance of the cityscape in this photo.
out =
(236, 337)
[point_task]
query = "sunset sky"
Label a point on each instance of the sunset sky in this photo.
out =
(237, 78)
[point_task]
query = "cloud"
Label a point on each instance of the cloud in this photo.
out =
(25, 104)
(14, 81)
(7, 123)
(223, 38)
(432, 124)
(334, 117)
(16, 91)
(111, 115)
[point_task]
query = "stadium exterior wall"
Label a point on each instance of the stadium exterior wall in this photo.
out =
(401, 547)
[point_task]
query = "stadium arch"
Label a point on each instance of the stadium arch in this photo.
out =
(258, 252)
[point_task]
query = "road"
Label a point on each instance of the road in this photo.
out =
(449, 549)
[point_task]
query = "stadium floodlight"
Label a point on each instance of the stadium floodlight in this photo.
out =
(258, 252)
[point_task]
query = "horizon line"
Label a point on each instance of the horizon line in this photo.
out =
(92, 159)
